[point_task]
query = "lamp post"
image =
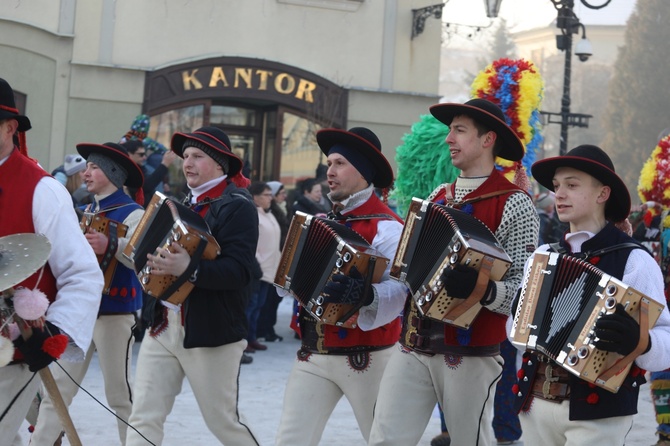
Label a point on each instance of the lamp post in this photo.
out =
(569, 24)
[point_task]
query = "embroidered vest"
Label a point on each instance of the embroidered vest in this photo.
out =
(587, 401)
(125, 289)
(488, 327)
(385, 335)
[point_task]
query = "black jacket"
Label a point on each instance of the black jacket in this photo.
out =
(214, 311)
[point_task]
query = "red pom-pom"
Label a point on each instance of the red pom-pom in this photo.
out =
(594, 260)
(54, 346)
(636, 371)
(592, 398)
(31, 428)
(520, 373)
(515, 389)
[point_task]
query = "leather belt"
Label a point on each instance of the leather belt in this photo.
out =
(313, 340)
(552, 385)
(426, 337)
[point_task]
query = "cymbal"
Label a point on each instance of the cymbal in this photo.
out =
(21, 255)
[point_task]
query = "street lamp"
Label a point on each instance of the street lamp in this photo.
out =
(492, 8)
(569, 24)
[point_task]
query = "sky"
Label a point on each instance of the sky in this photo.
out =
(519, 14)
(466, 15)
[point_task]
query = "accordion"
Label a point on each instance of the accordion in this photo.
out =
(436, 237)
(314, 250)
(113, 230)
(166, 221)
(561, 299)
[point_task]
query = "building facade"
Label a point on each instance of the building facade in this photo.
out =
(268, 72)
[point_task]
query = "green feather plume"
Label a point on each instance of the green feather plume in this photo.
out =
(423, 162)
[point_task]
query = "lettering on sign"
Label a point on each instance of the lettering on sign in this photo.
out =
(250, 79)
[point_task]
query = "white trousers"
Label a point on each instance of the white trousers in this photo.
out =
(549, 424)
(16, 381)
(315, 386)
(113, 339)
(412, 384)
(212, 372)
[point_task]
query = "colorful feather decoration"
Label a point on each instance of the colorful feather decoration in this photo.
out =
(518, 89)
(654, 182)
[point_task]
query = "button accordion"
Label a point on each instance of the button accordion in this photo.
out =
(113, 230)
(166, 221)
(436, 237)
(314, 250)
(561, 299)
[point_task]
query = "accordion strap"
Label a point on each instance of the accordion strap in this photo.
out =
(621, 364)
(556, 247)
(451, 202)
(106, 262)
(476, 296)
(340, 217)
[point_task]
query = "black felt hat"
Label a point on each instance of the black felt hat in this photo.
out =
(119, 155)
(8, 108)
(594, 161)
(213, 138)
(489, 115)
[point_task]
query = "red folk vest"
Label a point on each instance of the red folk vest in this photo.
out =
(387, 334)
(488, 327)
(19, 176)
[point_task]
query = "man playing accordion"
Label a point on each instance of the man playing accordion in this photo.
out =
(557, 407)
(440, 363)
(335, 361)
(203, 338)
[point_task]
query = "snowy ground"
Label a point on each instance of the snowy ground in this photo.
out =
(261, 394)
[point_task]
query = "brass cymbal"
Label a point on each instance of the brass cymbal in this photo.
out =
(21, 255)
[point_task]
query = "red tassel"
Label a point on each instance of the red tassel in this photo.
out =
(240, 180)
(385, 196)
(55, 345)
(139, 196)
(23, 147)
(520, 177)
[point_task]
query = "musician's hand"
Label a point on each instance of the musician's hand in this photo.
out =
(617, 332)
(172, 262)
(97, 240)
(348, 289)
(459, 281)
(43, 347)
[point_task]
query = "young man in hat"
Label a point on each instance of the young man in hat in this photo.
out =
(202, 339)
(439, 363)
(108, 169)
(335, 361)
(556, 406)
(33, 202)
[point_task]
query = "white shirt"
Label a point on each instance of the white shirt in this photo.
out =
(79, 279)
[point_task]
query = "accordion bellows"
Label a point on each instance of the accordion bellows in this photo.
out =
(561, 300)
(166, 221)
(436, 237)
(314, 250)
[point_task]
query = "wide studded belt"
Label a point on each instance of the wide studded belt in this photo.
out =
(552, 383)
